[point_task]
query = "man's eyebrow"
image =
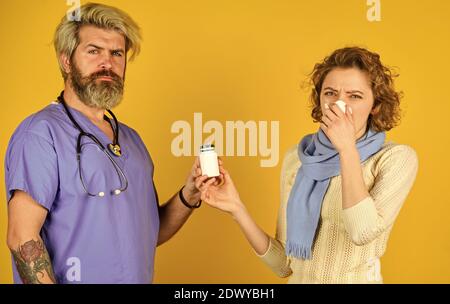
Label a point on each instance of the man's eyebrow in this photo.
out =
(100, 48)
(118, 50)
(95, 46)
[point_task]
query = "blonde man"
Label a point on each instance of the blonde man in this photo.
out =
(81, 200)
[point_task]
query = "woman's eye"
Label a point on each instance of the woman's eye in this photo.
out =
(93, 52)
(329, 93)
(118, 54)
(354, 96)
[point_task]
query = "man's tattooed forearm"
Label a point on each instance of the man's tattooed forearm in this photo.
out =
(33, 262)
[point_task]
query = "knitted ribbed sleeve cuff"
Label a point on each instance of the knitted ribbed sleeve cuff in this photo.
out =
(275, 257)
(362, 221)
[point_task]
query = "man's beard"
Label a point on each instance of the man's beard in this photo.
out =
(98, 94)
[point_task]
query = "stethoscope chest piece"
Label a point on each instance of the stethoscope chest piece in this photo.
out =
(115, 149)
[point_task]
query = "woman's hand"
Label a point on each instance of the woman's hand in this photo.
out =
(339, 127)
(223, 196)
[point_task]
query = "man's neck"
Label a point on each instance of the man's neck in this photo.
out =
(72, 100)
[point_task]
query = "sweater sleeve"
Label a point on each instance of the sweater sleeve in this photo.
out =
(397, 169)
(275, 256)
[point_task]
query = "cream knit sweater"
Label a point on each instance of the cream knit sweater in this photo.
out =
(349, 243)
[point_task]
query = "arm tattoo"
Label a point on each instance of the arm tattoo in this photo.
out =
(33, 262)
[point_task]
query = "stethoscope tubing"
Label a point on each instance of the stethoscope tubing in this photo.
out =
(119, 171)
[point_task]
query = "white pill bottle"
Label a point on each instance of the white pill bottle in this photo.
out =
(209, 162)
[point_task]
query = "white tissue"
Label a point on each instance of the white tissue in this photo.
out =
(341, 105)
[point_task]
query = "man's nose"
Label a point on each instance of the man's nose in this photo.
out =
(106, 62)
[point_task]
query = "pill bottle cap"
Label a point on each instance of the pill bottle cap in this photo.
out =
(206, 147)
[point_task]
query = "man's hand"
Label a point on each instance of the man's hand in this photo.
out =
(195, 180)
(173, 214)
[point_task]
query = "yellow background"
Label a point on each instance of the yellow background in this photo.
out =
(246, 60)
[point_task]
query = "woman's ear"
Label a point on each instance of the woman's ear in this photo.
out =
(376, 109)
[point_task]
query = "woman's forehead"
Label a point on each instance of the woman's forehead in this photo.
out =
(350, 78)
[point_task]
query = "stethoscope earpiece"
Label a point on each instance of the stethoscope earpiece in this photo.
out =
(115, 192)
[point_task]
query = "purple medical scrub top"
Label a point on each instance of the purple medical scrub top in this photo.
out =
(110, 239)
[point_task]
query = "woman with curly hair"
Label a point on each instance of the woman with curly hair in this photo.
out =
(341, 187)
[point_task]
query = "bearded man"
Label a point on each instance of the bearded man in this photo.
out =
(82, 205)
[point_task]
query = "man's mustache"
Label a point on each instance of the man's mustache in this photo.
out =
(107, 73)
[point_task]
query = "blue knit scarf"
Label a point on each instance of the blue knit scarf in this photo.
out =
(319, 162)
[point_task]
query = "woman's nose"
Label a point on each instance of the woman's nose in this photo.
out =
(340, 96)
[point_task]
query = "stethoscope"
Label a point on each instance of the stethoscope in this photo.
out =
(113, 147)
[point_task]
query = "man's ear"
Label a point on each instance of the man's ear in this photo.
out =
(65, 62)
